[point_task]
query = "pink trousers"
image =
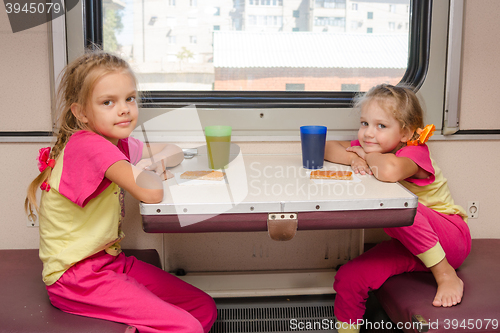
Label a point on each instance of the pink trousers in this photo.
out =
(127, 290)
(370, 270)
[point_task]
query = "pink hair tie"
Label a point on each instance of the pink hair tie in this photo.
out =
(43, 159)
(45, 186)
(43, 162)
(51, 163)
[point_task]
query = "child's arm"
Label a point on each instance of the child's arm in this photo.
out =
(158, 156)
(391, 168)
(335, 151)
(145, 186)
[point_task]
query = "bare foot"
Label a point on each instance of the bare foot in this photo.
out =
(450, 286)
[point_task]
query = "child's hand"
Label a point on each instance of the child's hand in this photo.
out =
(360, 166)
(157, 167)
(142, 164)
(167, 175)
(358, 163)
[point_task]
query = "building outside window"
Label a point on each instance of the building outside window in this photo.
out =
(295, 87)
(332, 21)
(247, 39)
(171, 21)
(339, 4)
(265, 2)
(152, 20)
(265, 20)
(350, 87)
(252, 20)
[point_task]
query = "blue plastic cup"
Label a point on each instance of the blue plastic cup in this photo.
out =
(313, 139)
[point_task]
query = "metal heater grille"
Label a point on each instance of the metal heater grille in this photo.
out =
(275, 314)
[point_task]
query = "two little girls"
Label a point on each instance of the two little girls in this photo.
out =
(391, 146)
(83, 179)
(94, 160)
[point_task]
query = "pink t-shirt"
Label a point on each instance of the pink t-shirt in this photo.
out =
(82, 212)
(87, 156)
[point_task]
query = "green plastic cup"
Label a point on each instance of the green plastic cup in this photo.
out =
(218, 143)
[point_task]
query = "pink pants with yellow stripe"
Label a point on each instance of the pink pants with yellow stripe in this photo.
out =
(417, 247)
(127, 290)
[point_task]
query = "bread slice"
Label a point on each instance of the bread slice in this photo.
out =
(326, 174)
(203, 175)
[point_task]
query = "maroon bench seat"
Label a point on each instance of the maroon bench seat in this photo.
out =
(25, 306)
(410, 294)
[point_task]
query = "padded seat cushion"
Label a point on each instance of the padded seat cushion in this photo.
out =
(25, 306)
(409, 294)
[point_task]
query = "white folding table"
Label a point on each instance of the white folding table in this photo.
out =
(258, 188)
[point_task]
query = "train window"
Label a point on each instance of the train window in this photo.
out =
(264, 53)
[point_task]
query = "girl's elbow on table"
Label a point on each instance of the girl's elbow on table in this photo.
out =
(152, 196)
(149, 188)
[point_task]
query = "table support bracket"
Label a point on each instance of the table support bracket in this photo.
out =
(282, 226)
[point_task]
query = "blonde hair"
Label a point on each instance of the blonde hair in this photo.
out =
(77, 84)
(400, 101)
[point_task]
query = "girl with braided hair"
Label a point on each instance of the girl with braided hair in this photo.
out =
(83, 178)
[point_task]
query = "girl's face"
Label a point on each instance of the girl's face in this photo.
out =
(113, 105)
(379, 132)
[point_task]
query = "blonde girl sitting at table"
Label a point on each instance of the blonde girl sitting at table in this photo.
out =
(391, 147)
(82, 180)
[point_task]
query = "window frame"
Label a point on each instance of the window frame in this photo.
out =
(418, 56)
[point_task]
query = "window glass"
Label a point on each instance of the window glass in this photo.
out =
(260, 45)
